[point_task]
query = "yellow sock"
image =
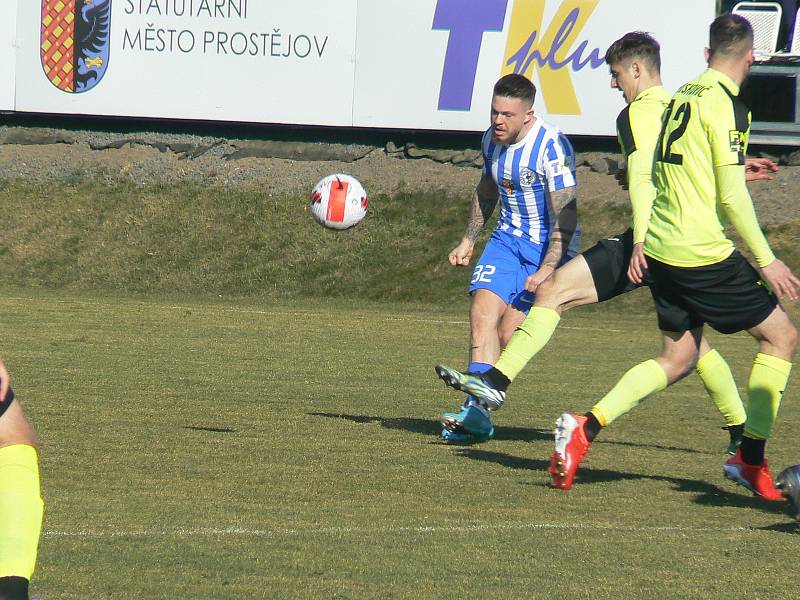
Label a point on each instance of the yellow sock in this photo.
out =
(528, 339)
(21, 510)
(720, 385)
(765, 390)
(639, 382)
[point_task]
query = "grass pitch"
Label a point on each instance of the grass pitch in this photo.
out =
(242, 450)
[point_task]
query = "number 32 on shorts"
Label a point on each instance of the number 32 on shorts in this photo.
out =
(483, 273)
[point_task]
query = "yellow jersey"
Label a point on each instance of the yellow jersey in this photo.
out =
(705, 128)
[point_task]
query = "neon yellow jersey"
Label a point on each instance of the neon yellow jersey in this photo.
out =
(705, 128)
(638, 128)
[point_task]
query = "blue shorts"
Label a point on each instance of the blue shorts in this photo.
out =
(505, 265)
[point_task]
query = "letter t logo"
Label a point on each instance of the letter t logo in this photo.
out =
(466, 20)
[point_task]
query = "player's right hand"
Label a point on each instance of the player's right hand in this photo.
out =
(759, 168)
(638, 264)
(781, 279)
(462, 254)
(4, 380)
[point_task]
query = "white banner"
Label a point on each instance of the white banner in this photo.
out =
(403, 64)
(435, 66)
(233, 60)
(8, 34)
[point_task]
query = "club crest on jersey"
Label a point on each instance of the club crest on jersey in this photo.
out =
(74, 43)
(526, 176)
(737, 140)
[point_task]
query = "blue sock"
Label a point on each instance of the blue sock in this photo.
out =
(476, 367)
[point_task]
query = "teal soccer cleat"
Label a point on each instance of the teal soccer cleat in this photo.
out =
(471, 425)
(472, 384)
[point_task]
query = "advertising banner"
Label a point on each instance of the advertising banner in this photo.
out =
(233, 60)
(431, 64)
(400, 64)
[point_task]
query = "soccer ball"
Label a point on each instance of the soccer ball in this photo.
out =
(788, 482)
(338, 201)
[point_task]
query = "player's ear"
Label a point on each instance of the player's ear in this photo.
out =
(707, 53)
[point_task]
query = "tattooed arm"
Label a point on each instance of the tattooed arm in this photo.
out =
(563, 204)
(484, 199)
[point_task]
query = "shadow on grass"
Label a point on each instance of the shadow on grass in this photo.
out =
(653, 446)
(434, 428)
(793, 528)
(514, 434)
(210, 429)
(705, 493)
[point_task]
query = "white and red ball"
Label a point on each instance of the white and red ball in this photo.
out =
(339, 201)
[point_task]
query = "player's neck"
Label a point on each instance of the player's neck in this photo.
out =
(647, 83)
(735, 71)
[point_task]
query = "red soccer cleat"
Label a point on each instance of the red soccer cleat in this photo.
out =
(756, 478)
(571, 447)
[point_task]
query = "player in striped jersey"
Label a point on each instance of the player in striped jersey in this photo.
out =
(20, 497)
(529, 168)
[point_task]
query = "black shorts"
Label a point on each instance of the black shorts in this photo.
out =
(7, 402)
(728, 295)
(608, 262)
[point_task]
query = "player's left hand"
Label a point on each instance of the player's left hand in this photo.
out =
(781, 279)
(535, 280)
(759, 168)
(638, 264)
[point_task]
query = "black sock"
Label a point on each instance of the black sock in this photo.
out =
(592, 426)
(497, 379)
(735, 432)
(752, 450)
(13, 588)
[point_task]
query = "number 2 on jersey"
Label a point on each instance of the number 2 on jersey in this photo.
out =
(683, 114)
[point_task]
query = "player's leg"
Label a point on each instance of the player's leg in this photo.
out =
(575, 434)
(718, 380)
(777, 338)
(20, 501)
(471, 423)
(569, 286)
(596, 275)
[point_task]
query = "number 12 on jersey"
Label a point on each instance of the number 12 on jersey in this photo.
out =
(676, 123)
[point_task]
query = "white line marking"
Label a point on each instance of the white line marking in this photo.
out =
(333, 531)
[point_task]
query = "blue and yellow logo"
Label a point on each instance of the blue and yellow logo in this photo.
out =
(556, 52)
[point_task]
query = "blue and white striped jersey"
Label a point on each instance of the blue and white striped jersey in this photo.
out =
(526, 173)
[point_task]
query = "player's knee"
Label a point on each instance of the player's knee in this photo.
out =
(483, 323)
(13, 588)
(677, 363)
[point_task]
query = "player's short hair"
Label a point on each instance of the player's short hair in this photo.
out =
(636, 44)
(730, 36)
(515, 85)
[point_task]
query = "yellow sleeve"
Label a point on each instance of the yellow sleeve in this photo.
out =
(733, 197)
(638, 131)
(641, 189)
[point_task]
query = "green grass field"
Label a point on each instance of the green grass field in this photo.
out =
(199, 449)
